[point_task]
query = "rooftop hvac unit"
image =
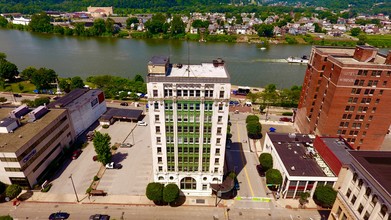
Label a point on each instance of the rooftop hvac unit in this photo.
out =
(292, 135)
(19, 111)
(38, 113)
(293, 168)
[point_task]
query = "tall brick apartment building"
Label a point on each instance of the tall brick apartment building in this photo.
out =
(346, 91)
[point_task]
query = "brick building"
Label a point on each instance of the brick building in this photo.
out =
(346, 92)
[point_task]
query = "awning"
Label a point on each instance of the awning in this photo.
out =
(226, 186)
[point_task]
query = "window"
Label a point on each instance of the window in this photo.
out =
(360, 208)
(217, 151)
(155, 93)
(218, 141)
(348, 193)
(157, 118)
(158, 140)
(219, 130)
(221, 94)
(355, 176)
(159, 159)
(368, 191)
(157, 128)
(198, 93)
(191, 93)
(353, 200)
(220, 119)
(221, 106)
(217, 160)
(383, 210)
(381, 92)
(156, 106)
(374, 200)
(188, 183)
(159, 150)
(384, 83)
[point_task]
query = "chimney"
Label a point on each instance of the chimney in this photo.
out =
(364, 53)
(388, 59)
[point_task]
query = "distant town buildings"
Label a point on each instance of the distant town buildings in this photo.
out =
(364, 190)
(346, 92)
(188, 112)
(98, 12)
(29, 142)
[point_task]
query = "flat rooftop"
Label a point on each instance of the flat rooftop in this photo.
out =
(119, 113)
(377, 164)
(75, 98)
(345, 55)
(205, 70)
(339, 148)
(11, 142)
(292, 149)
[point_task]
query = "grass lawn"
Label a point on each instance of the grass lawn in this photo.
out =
(27, 87)
(379, 40)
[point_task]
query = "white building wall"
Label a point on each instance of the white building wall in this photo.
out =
(201, 178)
(83, 115)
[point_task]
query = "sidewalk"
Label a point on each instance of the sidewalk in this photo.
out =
(40, 197)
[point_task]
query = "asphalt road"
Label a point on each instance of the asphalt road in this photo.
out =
(83, 211)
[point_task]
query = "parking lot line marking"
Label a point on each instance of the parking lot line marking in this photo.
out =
(244, 167)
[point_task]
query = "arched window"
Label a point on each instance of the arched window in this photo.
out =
(374, 200)
(215, 179)
(161, 178)
(368, 192)
(188, 183)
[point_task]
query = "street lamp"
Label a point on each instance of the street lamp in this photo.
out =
(74, 189)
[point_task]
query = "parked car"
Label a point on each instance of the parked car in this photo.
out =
(285, 119)
(260, 170)
(142, 123)
(17, 95)
(124, 104)
(59, 215)
(76, 154)
(113, 165)
(99, 217)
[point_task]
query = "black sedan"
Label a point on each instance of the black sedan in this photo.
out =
(59, 215)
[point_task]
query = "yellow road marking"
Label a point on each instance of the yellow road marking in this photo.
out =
(243, 157)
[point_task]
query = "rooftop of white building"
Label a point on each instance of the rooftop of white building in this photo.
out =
(204, 70)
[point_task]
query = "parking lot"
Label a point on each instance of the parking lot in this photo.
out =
(132, 179)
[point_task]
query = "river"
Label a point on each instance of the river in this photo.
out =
(77, 56)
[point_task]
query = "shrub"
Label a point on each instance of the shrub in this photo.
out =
(3, 99)
(273, 176)
(13, 191)
(154, 192)
(89, 190)
(266, 161)
(325, 196)
(6, 217)
(96, 178)
(170, 193)
(251, 118)
(254, 129)
(114, 147)
(105, 126)
(287, 113)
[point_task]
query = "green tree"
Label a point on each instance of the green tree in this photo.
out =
(254, 129)
(269, 94)
(8, 70)
(239, 19)
(154, 192)
(251, 118)
(304, 198)
(40, 23)
(109, 24)
(318, 28)
(325, 196)
(355, 31)
(41, 101)
(130, 21)
(265, 30)
(177, 26)
(13, 191)
(6, 217)
(3, 57)
(28, 72)
(170, 193)
(252, 96)
(139, 78)
(266, 161)
(76, 82)
(59, 29)
(3, 22)
(42, 78)
(102, 147)
(155, 24)
(200, 24)
(362, 39)
(79, 29)
(64, 85)
(20, 87)
(2, 99)
(99, 27)
(273, 176)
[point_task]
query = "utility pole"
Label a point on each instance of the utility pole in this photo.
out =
(74, 189)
